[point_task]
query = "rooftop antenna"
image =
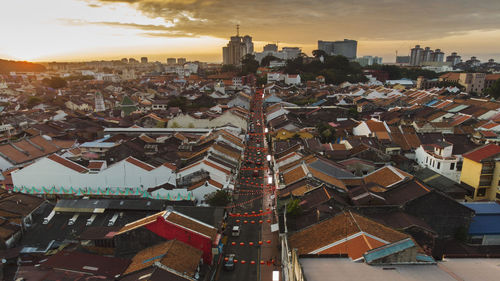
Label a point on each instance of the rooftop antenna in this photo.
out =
(237, 30)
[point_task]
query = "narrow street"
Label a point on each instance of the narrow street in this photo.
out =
(255, 248)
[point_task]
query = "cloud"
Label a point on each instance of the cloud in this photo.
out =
(304, 22)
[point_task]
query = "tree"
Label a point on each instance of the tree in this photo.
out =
(229, 68)
(249, 64)
(220, 198)
(55, 82)
(325, 132)
(293, 208)
(494, 90)
(268, 59)
(319, 53)
(160, 124)
(33, 101)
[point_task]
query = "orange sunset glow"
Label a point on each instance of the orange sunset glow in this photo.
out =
(76, 30)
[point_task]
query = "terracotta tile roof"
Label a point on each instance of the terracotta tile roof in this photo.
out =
(386, 176)
(201, 183)
(483, 152)
(289, 155)
(460, 119)
(233, 153)
(324, 237)
(216, 184)
(355, 247)
(382, 135)
(191, 224)
(490, 125)
(376, 126)
(64, 143)
(294, 175)
(170, 166)
(95, 165)
(208, 163)
(138, 223)
(139, 163)
(67, 163)
(28, 149)
(450, 76)
(147, 139)
(328, 179)
(296, 162)
(488, 134)
(173, 254)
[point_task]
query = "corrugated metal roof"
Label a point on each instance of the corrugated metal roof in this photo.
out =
(484, 208)
(388, 250)
(458, 108)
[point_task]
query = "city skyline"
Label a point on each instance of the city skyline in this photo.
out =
(78, 30)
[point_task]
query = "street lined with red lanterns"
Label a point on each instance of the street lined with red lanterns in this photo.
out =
(249, 219)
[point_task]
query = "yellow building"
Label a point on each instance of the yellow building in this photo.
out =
(481, 171)
(283, 134)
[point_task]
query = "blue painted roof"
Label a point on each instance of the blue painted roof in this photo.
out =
(320, 102)
(273, 98)
(485, 224)
(484, 208)
(387, 250)
(425, 258)
(432, 102)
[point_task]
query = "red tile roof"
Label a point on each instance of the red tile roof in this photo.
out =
(481, 153)
(95, 165)
(67, 163)
(139, 163)
(170, 166)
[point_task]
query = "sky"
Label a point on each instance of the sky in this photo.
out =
(78, 30)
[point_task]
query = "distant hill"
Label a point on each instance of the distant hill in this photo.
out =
(7, 66)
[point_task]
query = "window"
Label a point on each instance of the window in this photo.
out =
(426, 160)
(452, 166)
(481, 192)
(459, 166)
(439, 165)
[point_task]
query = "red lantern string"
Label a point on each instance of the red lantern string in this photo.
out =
(251, 215)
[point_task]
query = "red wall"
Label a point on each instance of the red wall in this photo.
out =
(171, 231)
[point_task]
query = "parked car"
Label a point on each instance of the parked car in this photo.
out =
(236, 231)
(229, 262)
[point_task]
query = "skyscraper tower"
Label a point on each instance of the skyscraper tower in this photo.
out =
(416, 55)
(237, 48)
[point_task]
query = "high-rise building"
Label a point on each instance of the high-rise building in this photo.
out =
(181, 61)
(416, 55)
(171, 61)
(286, 53)
(347, 48)
(144, 60)
(271, 48)
(438, 56)
(453, 58)
(419, 56)
(427, 54)
(247, 40)
(236, 48)
(369, 60)
(132, 60)
(403, 59)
